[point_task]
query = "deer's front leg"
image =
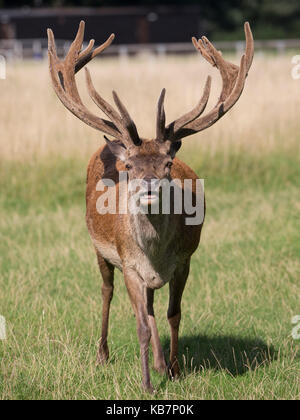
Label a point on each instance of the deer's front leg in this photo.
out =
(158, 354)
(107, 271)
(177, 286)
(137, 293)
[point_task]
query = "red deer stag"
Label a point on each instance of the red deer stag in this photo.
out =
(150, 249)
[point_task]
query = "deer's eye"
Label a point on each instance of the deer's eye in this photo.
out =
(128, 166)
(169, 165)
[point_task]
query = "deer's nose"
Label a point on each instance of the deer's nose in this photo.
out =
(151, 183)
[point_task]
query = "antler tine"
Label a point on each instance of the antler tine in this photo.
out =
(76, 45)
(227, 70)
(249, 46)
(220, 109)
(200, 46)
(161, 117)
(225, 106)
(51, 44)
(64, 83)
(63, 80)
(79, 110)
(88, 54)
(127, 121)
(233, 78)
(195, 113)
(85, 53)
(102, 103)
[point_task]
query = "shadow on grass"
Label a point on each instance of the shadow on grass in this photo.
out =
(234, 355)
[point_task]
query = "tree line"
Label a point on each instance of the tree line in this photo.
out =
(269, 18)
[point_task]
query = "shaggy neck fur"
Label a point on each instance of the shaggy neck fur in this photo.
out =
(152, 232)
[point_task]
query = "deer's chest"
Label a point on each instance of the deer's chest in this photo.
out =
(154, 255)
(155, 271)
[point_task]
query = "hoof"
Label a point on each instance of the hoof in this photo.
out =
(173, 371)
(101, 361)
(161, 369)
(103, 353)
(102, 357)
(149, 388)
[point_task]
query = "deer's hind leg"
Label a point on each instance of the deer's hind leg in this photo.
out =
(107, 272)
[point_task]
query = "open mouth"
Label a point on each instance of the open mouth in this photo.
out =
(149, 197)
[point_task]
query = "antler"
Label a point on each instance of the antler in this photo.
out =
(64, 83)
(233, 78)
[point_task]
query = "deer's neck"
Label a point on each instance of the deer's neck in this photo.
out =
(152, 233)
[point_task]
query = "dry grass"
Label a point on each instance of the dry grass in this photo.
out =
(35, 124)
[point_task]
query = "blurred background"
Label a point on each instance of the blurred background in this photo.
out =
(167, 26)
(152, 50)
(243, 288)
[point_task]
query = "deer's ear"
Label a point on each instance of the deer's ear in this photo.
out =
(117, 148)
(175, 146)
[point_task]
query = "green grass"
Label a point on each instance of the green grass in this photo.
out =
(242, 292)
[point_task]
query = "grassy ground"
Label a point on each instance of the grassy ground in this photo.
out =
(243, 288)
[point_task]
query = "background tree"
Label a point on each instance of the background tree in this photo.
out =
(269, 18)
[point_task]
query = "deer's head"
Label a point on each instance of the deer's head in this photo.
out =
(150, 161)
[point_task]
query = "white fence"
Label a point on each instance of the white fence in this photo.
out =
(37, 48)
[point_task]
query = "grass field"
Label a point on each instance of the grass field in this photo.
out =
(244, 285)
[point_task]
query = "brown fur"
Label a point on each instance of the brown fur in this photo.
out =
(167, 255)
(150, 250)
